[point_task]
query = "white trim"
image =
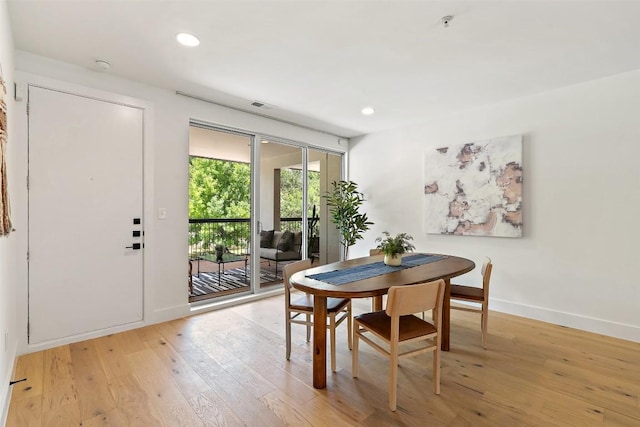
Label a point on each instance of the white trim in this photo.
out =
(590, 324)
(208, 305)
(5, 405)
(167, 314)
(31, 348)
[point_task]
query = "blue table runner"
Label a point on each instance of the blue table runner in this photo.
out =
(361, 272)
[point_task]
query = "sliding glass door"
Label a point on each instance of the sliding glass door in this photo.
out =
(255, 204)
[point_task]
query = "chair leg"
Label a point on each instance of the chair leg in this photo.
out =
(354, 353)
(332, 335)
(485, 315)
(350, 327)
(393, 377)
(288, 333)
(308, 316)
(436, 370)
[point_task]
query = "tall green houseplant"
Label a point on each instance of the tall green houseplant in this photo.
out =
(344, 203)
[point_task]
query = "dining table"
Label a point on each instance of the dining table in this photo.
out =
(370, 277)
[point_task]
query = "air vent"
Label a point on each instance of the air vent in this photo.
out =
(262, 105)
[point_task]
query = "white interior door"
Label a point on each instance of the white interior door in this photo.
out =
(85, 189)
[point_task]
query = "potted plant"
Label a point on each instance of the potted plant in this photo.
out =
(393, 246)
(219, 253)
(344, 202)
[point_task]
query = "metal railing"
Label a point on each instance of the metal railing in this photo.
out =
(234, 234)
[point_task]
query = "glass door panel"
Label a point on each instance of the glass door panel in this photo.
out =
(219, 213)
(324, 168)
(281, 207)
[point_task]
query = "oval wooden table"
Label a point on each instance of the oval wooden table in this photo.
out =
(445, 268)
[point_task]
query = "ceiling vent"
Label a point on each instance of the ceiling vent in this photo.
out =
(262, 105)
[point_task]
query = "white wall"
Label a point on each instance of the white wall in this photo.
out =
(167, 163)
(8, 245)
(577, 264)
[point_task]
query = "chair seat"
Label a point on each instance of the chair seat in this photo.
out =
(305, 303)
(467, 292)
(410, 326)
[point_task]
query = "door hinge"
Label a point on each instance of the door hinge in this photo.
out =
(28, 330)
(27, 182)
(27, 108)
(27, 256)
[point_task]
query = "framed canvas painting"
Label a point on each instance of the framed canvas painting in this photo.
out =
(475, 189)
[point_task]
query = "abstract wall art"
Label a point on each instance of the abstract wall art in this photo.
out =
(475, 189)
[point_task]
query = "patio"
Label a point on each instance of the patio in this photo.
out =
(209, 282)
(232, 234)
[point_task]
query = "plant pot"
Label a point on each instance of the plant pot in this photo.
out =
(219, 253)
(393, 260)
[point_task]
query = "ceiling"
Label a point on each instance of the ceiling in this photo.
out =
(318, 63)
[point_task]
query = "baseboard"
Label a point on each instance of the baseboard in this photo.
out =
(83, 336)
(7, 392)
(169, 313)
(590, 324)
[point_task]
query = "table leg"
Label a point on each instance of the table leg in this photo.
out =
(446, 316)
(377, 303)
(319, 341)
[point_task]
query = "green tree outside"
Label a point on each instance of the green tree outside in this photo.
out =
(291, 192)
(220, 189)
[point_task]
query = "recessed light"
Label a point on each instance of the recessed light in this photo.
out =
(367, 111)
(187, 39)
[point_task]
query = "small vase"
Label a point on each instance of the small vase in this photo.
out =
(393, 260)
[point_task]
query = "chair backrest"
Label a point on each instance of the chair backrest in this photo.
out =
(375, 251)
(486, 277)
(289, 270)
(409, 299)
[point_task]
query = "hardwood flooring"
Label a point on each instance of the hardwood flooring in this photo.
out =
(227, 368)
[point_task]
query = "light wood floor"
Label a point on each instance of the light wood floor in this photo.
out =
(228, 368)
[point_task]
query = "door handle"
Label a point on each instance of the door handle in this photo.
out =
(134, 246)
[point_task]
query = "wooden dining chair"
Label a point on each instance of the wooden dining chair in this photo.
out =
(476, 295)
(338, 309)
(398, 325)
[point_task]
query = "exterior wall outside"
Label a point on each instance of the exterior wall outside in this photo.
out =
(577, 262)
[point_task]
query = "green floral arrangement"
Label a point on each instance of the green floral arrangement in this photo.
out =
(395, 245)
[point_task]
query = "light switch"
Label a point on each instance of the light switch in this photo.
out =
(162, 213)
